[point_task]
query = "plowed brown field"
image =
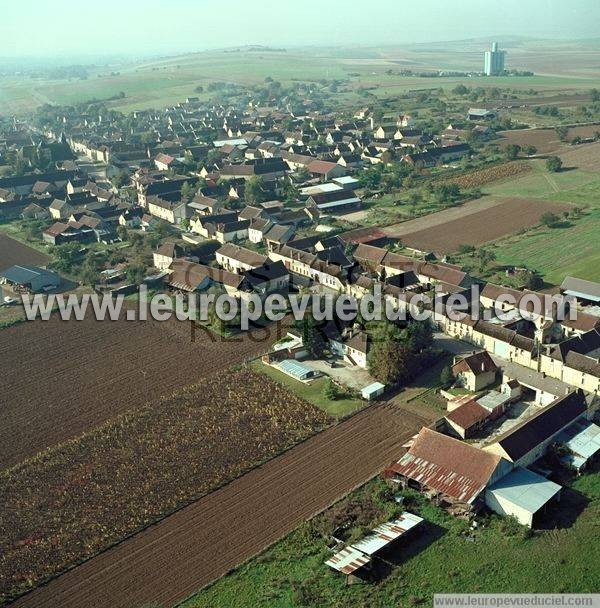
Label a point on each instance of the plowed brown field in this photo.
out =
(545, 140)
(83, 496)
(13, 252)
(189, 549)
(61, 379)
(473, 223)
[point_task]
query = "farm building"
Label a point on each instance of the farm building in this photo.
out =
(529, 440)
(521, 494)
(480, 114)
(358, 558)
(582, 441)
(454, 473)
(587, 292)
(468, 414)
(25, 279)
(476, 371)
(335, 202)
(467, 418)
(352, 344)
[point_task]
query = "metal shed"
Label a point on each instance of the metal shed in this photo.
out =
(372, 391)
(522, 494)
(582, 439)
(361, 553)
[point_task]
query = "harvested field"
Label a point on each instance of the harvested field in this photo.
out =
(167, 562)
(479, 178)
(61, 379)
(545, 140)
(13, 252)
(79, 498)
(566, 100)
(473, 223)
(583, 156)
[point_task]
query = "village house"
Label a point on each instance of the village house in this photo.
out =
(163, 257)
(325, 170)
(528, 441)
(173, 212)
(475, 372)
(352, 344)
(238, 259)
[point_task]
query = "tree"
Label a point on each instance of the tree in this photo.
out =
(90, 271)
(136, 273)
(418, 336)
(187, 192)
(330, 390)
(562, 133)
(255, 191)
(391, 362)
(530, 150)
(123, 233)
(33, 229)
(534, 282)
(554, 164)
(66, 257)
(595, 95)
(512, 151)
(120, 179)
(550, 219)
(486, 257)
(312, 339)
(447, 377)
(163, 228)
(460, 89)
(465, 249)
(136, 240)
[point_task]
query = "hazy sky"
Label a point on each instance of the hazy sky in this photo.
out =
(58, 27)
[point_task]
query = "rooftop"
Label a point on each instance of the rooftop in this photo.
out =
(525, 489)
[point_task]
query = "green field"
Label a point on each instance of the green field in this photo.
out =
(573, 248)
(161, 82)
(445, 558)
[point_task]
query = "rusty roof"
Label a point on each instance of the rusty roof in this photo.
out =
(447, 466)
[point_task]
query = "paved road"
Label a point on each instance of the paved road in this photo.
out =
(202, 542)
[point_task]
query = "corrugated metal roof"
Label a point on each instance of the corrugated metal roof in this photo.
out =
(525, 489)
(447, 465)
(359, 554)
(348, 560)
(583, 441)
(386, 533)
(26, 274)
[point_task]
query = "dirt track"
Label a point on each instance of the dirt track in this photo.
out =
(61, 379)
(200, 543)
